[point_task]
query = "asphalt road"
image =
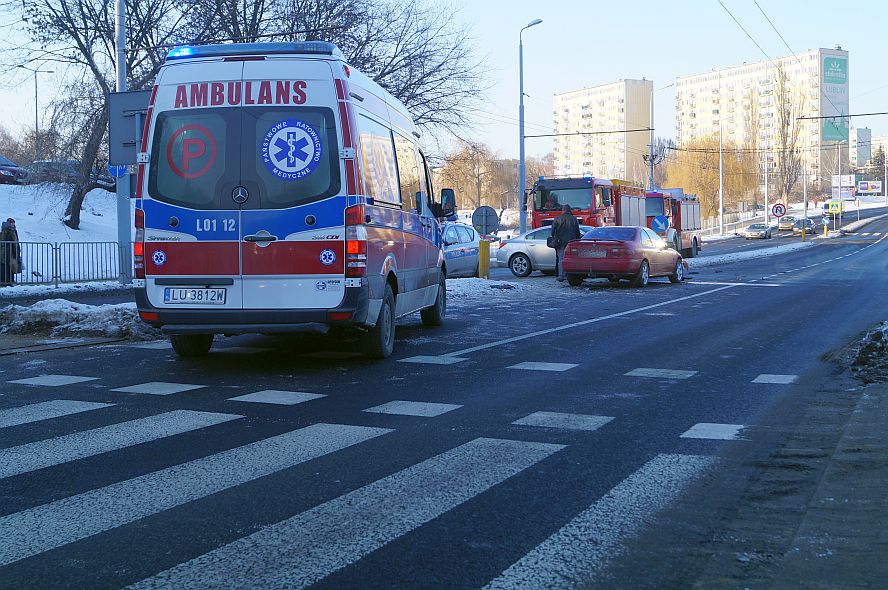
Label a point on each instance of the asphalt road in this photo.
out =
(546, 438)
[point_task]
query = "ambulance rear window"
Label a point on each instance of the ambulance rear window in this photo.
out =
(282, 156)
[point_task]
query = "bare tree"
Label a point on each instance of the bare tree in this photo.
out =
(789, 105)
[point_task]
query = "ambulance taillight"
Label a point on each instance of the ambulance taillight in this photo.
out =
(139, 245)
(355, 242)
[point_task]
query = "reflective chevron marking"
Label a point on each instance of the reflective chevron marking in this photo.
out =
(308, 547)
(47, 527)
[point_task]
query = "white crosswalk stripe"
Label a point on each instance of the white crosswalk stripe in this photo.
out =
(53, 525)
(574, 555)
(45, 411)
(310, 546)
(55, 451)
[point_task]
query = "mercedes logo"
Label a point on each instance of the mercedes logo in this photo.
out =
(240, 195)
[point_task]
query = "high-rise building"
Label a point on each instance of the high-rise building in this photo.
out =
(619, 106)
(860, 152)
(752, 103)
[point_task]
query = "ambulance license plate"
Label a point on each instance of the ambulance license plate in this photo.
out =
(189, 296)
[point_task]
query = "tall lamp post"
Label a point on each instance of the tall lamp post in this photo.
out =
(36, 121)
(522, 182)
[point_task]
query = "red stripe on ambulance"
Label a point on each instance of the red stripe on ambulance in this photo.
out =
(191, 258)
(293, 258)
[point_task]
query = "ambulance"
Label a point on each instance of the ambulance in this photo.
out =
(281, 190)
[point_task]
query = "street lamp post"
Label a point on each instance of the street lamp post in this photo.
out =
(522, 182)
(36, 114)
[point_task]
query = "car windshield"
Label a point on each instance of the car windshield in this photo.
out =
(555, 199)
(6, 162)
(755, 226)
(610, 233)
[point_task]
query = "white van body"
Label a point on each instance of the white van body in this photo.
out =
(281, 190)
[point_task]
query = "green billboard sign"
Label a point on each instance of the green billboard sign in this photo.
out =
(835, 70)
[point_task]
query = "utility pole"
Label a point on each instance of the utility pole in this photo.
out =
(767, 212)
(721, 184)
(805, 193)
(123, 183)
(522, 174)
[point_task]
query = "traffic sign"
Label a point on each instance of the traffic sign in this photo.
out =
(116, 171)
(485, 220)
(825, 220)
(778, 210)
(660, 223)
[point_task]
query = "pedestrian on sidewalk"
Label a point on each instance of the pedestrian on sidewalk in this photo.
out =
(10, 253)
(564, 229)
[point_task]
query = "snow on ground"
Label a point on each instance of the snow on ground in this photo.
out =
(38, 210)
(695, 263)
(60, 317)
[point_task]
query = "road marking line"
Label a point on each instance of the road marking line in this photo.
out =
(661, 373)
(157, 345)
(273, 396)
(408, 408)
(45, 410)
(536, 366)
(740, 284)
(54, 380)
(158, 388)
(659, 313)
(55, 451)
(514, 339)
(433, 360)
(578, 552)
(53, 525)
(709, 430)
(308, 547)
(240, 350)
(586, 422)
(778, 379)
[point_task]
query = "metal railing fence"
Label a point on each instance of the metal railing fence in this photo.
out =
(43, 263)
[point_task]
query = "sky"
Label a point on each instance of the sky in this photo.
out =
(582, 44)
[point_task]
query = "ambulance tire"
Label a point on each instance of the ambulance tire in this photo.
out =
(379, 341)
(191, 345)
(434, 315)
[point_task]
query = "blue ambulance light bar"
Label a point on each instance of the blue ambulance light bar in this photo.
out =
(231, 49)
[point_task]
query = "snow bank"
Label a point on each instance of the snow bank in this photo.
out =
(858, 224)
(694, 263)
(38, 210)
(59, 317)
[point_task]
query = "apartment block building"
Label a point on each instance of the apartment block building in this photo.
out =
(584, 114)
(860, 152)
(746, 101)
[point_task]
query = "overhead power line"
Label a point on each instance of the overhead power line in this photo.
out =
(582, 133)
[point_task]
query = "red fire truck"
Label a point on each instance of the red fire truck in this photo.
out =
(594, 201)
(676, 217)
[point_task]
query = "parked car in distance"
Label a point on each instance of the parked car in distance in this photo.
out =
(528, 252)
(804, 225)
(461, 250)
(67, 171)
(12, 173)
(757, 230)
(786, 222)
(622, 252)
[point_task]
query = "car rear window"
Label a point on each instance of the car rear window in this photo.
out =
(283, 157)
(611, 233)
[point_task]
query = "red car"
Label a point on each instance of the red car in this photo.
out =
(622, 252)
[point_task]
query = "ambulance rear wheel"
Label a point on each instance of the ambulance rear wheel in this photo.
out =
(191, 345)
(379, 341)
(434, 315)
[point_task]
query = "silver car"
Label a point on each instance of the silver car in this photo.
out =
(461, 246)
(757, 230)
(528, 252)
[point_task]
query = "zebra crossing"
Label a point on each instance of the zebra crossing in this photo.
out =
(312, 544)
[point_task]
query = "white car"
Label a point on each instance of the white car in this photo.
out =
(529, 252)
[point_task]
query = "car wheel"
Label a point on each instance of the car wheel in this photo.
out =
(191, 345)
(379, 341)
(643, 275)
(434, 315)
(574, 280)
(679, 274)
(520, 265)
(695, 248)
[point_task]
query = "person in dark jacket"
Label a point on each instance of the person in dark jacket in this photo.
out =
(10, 252)
(564, 229)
